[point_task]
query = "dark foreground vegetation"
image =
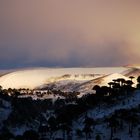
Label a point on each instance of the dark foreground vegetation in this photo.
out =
(44, 118)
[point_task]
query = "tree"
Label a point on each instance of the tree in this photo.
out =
(132, 120)
(6, 134)
(111, 84)
(98, 137)
(138, 79)
(119, 81)
(122, 81)
(31, 135)
(131, 77)
(87, 131)
(97, 89)
(52, 125)
(42, 130)
(19, 137)
(0, 88)
(114, 80)
(116, 139)
(129, 83)
(66, 130)
(139, 132)
(113, 123)
(79, 133)
(128, 86)
(104, 90)
(88, 123)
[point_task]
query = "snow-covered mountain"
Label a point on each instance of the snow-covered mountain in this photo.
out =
(132, 72)
(102, 81)
(68, 79)
(64, 78)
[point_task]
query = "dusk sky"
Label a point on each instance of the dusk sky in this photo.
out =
(69, 33)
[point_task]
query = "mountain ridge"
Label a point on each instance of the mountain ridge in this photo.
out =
(33, 78)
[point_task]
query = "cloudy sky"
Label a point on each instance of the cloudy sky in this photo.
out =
(69, 33)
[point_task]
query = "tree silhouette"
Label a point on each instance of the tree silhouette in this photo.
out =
(131, 77)
(98, 137)
(52, 125)
(97, 88)
(132, 120)
(6, 134)
(113, 124)
(66, 130)
(104, 91)
(0, 88)
(122, 81)
(111, 84)
(138, 80)
(31, 135)
(88, 123)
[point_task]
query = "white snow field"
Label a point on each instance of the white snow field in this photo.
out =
(32, 78)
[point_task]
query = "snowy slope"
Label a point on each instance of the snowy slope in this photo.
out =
(99, 114)
(102, 81)
(83, 86)
(135, 72)
(110, 77)
(32, 78)
(5, 110)
(132, 72)
(131, 102)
